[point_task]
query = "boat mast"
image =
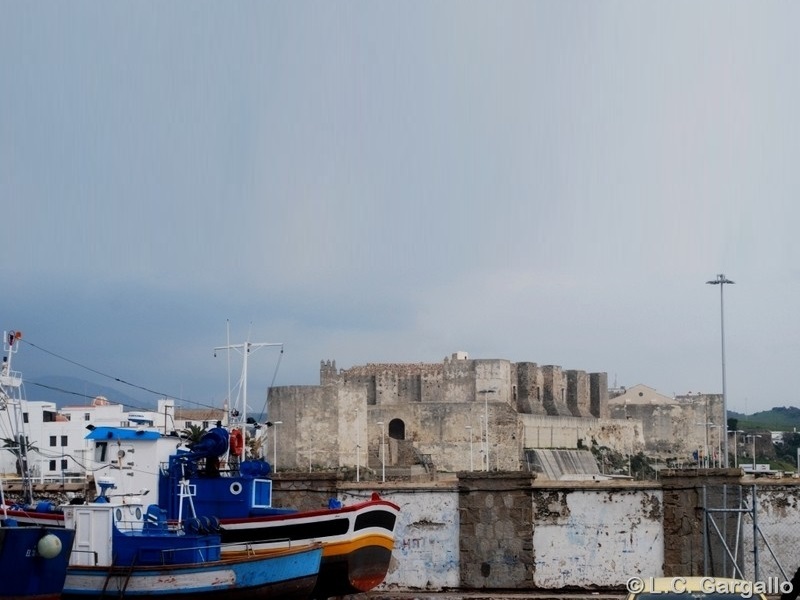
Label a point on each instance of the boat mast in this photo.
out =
(245, 349)
(11, 396)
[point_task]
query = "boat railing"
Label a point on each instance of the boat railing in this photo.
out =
(255, 547)
(92, 553)
(11, 379)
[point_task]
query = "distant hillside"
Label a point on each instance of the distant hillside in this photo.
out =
(780, 418)
(72, 391)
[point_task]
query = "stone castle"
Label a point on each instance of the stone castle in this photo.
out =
(470, 414)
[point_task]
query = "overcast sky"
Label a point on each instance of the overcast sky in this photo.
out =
(551, 182)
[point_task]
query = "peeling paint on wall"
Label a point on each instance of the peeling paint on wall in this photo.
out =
(599, 539)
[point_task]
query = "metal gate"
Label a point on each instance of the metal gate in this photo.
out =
(728, 510)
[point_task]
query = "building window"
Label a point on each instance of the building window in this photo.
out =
(87, 416)
(187, 425)
(63, 440)
(24, 417)
(205, 424)
(63, 464)
(52, 440)
(100, 451)
(52, 465)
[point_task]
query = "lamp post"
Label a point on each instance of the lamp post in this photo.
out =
(383, 454)
(471, 464)
(275, 445)
(721, 280)
(486, 425)
(719, 443)
(358, 450)
(754, 436)
(735, 446)
(705, 448)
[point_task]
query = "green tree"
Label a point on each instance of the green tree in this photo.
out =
(193, 433)
(20, 450)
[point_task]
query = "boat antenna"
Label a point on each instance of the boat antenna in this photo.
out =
(245, 349)
(11, 395)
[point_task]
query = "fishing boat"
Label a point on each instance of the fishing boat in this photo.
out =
(33, 560)
(357, 539)
(125, 551)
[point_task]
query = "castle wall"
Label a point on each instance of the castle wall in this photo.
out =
(492, 377)
(441, 431)
(316, 425)
(458, 382)
(676, 427)
(578, 393)
(555, 391)
(530, 389)
(433, 411)
(598, 395)
(623, 436)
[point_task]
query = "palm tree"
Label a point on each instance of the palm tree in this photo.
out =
(193, 433)
(20, 449)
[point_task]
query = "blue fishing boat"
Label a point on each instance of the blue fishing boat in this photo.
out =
(357, 539)
(125, 551)
(33, 561)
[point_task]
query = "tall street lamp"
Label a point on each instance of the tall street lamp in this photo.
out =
(754, 436)
(735, 446)
(486, 424)
(721, 280)
(275, 445)
(383, 453)
(705, 448)
(719, 443)
(358, 450)
(471, 464)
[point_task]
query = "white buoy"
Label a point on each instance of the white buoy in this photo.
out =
(49, 546)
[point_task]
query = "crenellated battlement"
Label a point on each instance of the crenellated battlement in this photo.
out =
(526, 386)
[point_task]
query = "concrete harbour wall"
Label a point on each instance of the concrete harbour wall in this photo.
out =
(508, 531)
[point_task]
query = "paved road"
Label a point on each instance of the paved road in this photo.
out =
(493, 595)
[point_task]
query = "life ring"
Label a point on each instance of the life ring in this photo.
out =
(237, 442)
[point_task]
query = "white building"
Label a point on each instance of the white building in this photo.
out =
(56, 439)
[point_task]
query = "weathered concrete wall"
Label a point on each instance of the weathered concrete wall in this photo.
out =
(507, 531)
(564, 432)
(552, 432)
(596, 537)
(426, 554)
